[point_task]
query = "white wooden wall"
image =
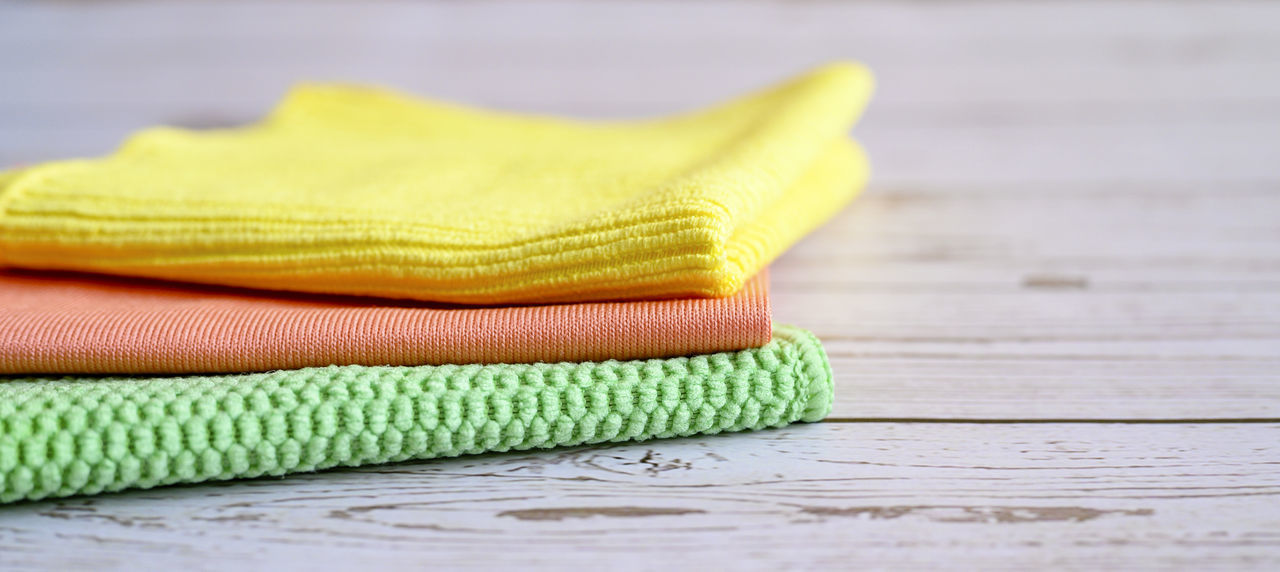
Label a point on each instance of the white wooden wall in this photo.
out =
(1054, 317)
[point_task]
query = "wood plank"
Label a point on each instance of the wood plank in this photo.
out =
(849, 495)
(1046, 302)
(959, 383)
(1103, 226)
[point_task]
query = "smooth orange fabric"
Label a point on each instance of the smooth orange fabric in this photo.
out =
(63, 323)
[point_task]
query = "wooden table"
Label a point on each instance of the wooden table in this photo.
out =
(1054, 317)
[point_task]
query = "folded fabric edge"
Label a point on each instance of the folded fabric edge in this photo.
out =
(698, 262)
(71, 436)
(817, 369)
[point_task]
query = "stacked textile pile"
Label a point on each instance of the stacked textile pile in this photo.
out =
(539, 282)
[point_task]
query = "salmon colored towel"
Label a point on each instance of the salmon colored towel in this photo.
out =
(347, 190)
(83, 324)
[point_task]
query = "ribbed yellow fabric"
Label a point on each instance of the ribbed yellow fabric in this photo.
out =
(362, 191)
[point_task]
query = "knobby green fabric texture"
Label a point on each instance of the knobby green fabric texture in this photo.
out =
(69, 436)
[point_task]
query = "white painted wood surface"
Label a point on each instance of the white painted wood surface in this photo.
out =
(830, 495)
(1043, 302)
(1074, 216)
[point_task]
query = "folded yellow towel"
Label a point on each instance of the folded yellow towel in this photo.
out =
(363, 191)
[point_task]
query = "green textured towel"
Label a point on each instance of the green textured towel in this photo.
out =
(68, 436)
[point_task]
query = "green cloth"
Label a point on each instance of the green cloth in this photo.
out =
(70, 436)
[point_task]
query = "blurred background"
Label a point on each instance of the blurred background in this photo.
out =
(988, 92)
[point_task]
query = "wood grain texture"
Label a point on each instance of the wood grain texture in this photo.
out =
(1070, 302)
(1074, 215)
(847, 495)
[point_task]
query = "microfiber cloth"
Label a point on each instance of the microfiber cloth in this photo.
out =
(68, 323)
(350, 190)
(70, 436)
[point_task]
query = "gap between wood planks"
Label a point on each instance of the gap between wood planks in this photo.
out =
(1042, 421)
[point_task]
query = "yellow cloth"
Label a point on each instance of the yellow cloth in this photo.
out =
(363, 191)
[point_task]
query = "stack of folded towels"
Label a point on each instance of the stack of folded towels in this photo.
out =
(365, 277)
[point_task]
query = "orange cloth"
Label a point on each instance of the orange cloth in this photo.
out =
(61, 323)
